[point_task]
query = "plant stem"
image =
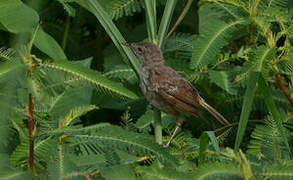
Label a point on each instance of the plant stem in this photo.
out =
(66, 30)
(283, 88)
(31, 133)
(165, 22)
(181, 17)
(158, 125)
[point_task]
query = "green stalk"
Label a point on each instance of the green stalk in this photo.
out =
(150, 13)
(66, 30)
(158, 125)
(165, 22)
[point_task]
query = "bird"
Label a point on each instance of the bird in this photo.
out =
(165, 89)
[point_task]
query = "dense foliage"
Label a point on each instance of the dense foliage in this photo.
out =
(71, 106)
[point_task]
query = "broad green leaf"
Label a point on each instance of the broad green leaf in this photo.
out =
(9, 66)
(49, 46)
(205, 138)
(145, 120)
(17, 17)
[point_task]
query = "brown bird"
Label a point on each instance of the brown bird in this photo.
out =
(166, 89)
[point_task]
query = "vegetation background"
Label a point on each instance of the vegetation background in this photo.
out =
(71, 106)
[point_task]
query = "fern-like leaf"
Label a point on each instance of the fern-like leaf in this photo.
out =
(278, 172)
(221, 79)
(74, 113)
(122, 74)
(155, 172)
(214, 170)
(118, 138)
(267, 142)
(213, 37)
(100, 82)
(7, 54)
(42, 151)
(119, 8)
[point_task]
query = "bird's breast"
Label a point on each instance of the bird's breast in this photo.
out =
(150, 88)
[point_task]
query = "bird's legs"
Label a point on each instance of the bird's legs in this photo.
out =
(178, 124)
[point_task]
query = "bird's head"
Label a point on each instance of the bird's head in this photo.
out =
(146, 51)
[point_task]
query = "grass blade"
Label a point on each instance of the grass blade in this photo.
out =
(165, 22)
(246, 107)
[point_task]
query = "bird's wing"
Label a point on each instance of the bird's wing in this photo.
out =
(177, 91)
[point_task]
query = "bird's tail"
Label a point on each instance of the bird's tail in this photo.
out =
(213, 111)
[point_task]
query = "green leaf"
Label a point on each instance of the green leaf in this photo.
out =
(151, 19)
(119, 8)
(16, 17)
(212, 170)
(9, 66)
(260, 67)
(60, 166)
(278, 172)
(75, 113)
(119, 172)
(246, 107)
(93, 77)
(213, 37)
(166, 19)
(145, 120)
(205, 138)
(114, 137)
(155, 172)
(14, 175)
(268, 98)
(49, 46)
(10, 73)
(221, 79)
